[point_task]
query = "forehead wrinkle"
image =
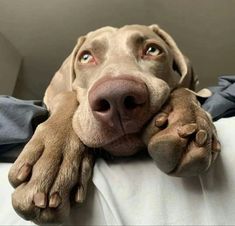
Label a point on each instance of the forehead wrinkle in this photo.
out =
(136, 39)
(98, 44)
(102, 35)
(137, 36)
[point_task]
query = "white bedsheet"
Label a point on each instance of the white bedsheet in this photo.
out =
(135, 192)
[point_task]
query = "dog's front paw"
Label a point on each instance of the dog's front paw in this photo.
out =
(182, 138)
(48, 169)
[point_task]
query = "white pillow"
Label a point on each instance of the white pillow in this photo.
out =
(135, 192)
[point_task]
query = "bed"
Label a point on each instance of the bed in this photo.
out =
(133, 191)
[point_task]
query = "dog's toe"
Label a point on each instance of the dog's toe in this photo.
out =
(22, 201)
(22, 168)
(84, 176)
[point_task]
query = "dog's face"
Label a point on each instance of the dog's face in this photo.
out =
(122, 78)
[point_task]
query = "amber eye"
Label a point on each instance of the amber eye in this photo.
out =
(152, 50)
(86, 57)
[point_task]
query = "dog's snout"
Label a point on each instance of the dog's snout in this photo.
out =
(120, 102)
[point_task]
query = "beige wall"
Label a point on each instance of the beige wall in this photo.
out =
(10, 61)
(44, 32)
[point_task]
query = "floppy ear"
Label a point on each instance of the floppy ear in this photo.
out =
(180, 63)
(64, 77)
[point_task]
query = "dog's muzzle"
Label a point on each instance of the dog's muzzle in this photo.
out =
(121, 102)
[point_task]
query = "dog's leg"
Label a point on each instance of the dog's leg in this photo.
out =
(181, 138)
(52, 163)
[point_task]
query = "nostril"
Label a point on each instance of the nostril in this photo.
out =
(130, 103)
(103, 105)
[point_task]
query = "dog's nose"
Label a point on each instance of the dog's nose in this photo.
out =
(120, 102)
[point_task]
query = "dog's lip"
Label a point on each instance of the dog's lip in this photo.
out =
(124, 136)
(123, 145)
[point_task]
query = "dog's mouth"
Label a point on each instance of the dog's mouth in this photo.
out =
(126, 145)
(127, 140)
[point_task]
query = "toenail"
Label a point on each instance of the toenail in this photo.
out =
(40, 200)
(201, 137)
(160, 120)
(187, 130)
(24, 172)
(79, 198)
(216, 146)
(55, 200)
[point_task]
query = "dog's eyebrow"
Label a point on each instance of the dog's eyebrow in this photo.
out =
(138, 38)
(97, 45)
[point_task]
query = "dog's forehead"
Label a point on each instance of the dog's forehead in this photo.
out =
(124, 33)
(101, 32)
(137, 29)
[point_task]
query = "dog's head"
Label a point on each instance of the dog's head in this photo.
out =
(122, 78)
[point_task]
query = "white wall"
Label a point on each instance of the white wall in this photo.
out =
(10, 61)
(44, 31)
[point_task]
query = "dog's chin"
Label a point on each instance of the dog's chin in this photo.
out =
(125, 145)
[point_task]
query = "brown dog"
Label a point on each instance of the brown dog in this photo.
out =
(116, 91)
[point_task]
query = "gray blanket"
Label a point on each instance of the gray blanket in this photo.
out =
(222, 103)
(18, 120)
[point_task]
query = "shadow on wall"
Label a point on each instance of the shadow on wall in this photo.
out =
(10, 62)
